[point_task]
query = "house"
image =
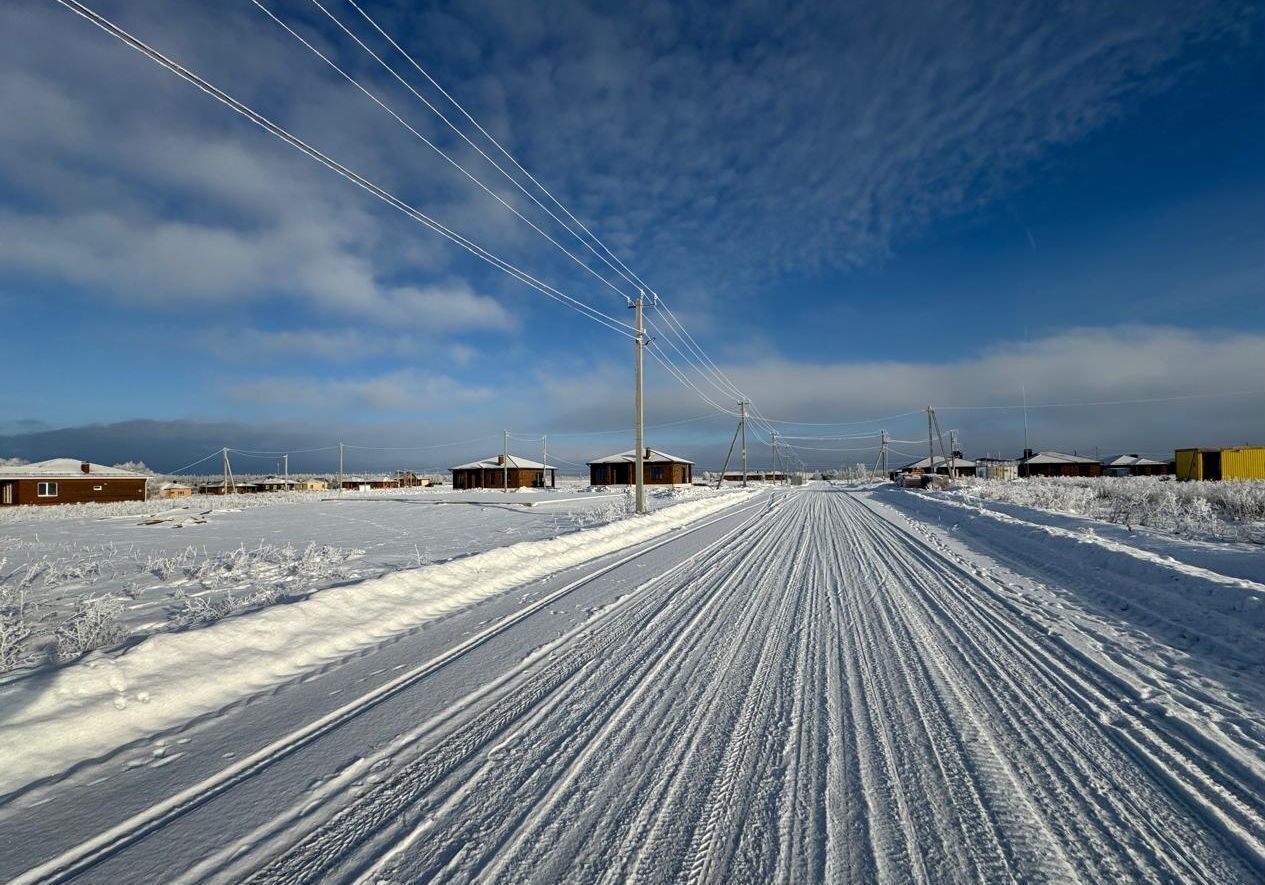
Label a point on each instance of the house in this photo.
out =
(235, 487)
(1238, 462)
(961, 466)
(755, 476)
(501, 470)
(1057, 464)
(410, 480)
(659, 468)
(174, 490)
(273, 484)
(1133, 465)
(996, 468)
(368, 483)
(311, 485)
(69, 481)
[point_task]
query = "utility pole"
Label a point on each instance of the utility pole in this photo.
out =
(225, 470)
(774, 454)
(953, 443)
(882, 451)
(639, 464)
(742, 404)
(340, 466)
(544, 458)
(285, 459)
(949, 469)
(505, 463)
(931, 449)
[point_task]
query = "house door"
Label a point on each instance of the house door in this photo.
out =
(6, 493)
(1212, 465)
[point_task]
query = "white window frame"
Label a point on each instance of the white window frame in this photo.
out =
(46, 490)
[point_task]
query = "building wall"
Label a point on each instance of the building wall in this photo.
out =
(622, 474)
(88, 490)
(1060, 469)
(1241, 462)
(494, 478)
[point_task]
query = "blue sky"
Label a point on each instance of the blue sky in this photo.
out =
(855, 210)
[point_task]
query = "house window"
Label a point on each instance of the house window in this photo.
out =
(46, 490)
(97, 488)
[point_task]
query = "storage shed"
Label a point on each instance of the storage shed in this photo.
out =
(69, 481)
(1238, 462)
(996, 468)
(660, 469)
(1134, 465)
(501, 470)
(1058, 464)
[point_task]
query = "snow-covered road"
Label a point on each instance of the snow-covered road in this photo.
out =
(807, 687)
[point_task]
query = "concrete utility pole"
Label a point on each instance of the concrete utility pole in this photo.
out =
(931, 449)
(544, 459)
(340, 467)
(505, 463)
(774, 433)
(949, 469)
(742, 404)
(285, 459)
(639, 464)
(226, 470)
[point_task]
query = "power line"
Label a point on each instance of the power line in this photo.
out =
(355, 178)
(381, 104)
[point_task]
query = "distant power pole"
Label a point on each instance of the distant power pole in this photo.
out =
(544, 458)
(774, 454)
(340, 467)
(285, 459)
(931, 449)
(505, 463)
(742, 404)
(225, 470)
(639, 414)
(882, 451)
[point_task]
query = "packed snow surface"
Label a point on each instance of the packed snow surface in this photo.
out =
(823, 684)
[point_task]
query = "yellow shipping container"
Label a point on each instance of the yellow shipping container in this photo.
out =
(1239, 462)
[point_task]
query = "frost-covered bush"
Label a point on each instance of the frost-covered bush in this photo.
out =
(93, 624)
(15, 628)
(1222, 510)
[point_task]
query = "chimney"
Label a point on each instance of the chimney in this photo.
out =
(500, 459)
(85, 467)
(647, 458)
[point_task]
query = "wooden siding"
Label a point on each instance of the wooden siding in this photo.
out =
(621, 474)
(88, 490)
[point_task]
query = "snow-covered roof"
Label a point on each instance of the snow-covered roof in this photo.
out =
(959, 463)
(513, 461)
(174, 485)
(1132, 461)
(653, 456)
(66, 468)
(1057, 458)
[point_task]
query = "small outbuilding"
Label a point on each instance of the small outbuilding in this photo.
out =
(996, 468)
(1134, 465)
(659, 468)
(174, 490)
(502, 471)
(69, 481)
(1238, 462)
(1057, 464)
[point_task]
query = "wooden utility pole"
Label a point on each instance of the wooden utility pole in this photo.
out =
(639, 464)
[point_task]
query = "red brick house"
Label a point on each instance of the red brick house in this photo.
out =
(69, 481)
(493, 473)
(659, 468)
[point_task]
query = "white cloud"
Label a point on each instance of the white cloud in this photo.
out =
(402, 393)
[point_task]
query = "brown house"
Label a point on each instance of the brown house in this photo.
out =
(69, 481)
(660, 469)
(1133, 465)
(368, 483)
(1058, 464)
(497, 472)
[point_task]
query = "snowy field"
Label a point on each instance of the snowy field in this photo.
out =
(78, 577)
(1211, 510)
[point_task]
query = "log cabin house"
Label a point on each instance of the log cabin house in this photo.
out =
(69, 481)
(660, 469)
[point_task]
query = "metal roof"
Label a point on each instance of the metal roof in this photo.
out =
(66, 468)
(939, 462)
(1057, 458)
(1132, 461)
(654, 456)
(513, 462)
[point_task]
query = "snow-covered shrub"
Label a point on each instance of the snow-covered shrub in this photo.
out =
(15, 628)
(93, 624)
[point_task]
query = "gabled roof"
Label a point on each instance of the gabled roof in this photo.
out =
(513, 462)
(66, 468)
(1132, 461)
(1057, 458)
(654, 456)
(939, 462)
(175, 485)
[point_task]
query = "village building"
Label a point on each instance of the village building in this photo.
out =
(369, 483)
(235, 487)
(996, 468)
(755, 476)
(1238, 462)
(961, 466)
(1057, 464)
(174, 490)
(410, 480)
(311, 485)
(273, 484)
(659, 468)
(1133, 465)
(69, 481)
(501, 471)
